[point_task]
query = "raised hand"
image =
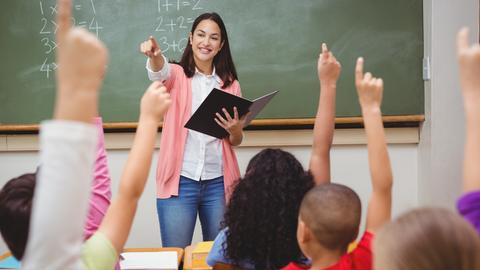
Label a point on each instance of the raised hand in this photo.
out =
(369, 88)
(469, 65)
(328, 67)
(119, 217)
(370, 91)
(82, 60)
(469, 61)
(81, 56)
(155, 102)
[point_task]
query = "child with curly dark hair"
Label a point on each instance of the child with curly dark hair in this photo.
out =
(261, 219)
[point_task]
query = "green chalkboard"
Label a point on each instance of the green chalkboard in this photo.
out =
(275, 44)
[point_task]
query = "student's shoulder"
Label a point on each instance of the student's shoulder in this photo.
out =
(468, 201)
(220, 239)
(365, 242)
(99, 253)
(361, 257)
(217, 253)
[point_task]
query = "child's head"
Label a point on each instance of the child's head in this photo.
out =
(15, 208)
(329, 216)
(427, 239)
(262, 214)
(208, 42)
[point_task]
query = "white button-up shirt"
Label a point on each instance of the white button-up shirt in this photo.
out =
(202, 157)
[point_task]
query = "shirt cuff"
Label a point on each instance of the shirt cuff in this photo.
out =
(160, 75)
(69, 130)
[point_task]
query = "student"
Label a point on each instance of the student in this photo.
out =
(101, 251)
(67, 145)
(427, 239)
(261, 218)
(435, 238)
(330, 214)
(469, 61)
(17, 194)
(195, 171)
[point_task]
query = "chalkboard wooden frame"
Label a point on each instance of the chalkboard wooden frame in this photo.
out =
(299, 123)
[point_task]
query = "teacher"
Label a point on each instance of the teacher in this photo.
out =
(195, 171)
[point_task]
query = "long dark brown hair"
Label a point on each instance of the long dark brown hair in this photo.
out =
(223, 62)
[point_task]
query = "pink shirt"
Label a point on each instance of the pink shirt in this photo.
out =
(174, 136)
(100, 191)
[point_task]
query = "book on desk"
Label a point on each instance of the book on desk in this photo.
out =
(161, 260)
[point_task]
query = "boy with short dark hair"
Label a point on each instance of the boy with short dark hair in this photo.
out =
(330, 214)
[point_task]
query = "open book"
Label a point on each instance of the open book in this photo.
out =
(203, 121)
(162, 260)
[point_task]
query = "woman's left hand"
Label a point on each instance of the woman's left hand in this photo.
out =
(233, 126)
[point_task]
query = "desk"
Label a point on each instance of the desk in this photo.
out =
(178, 250)
(188, 263)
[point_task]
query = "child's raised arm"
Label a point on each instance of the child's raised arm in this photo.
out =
(370, 91)
(328, 69)
(118, 220)
(82, 60)
(66, 150)
(469, 61)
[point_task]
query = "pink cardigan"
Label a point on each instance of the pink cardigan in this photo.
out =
(174, 136)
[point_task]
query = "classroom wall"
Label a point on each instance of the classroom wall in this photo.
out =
(442, 134)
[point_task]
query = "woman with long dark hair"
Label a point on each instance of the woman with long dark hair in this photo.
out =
(195, 170)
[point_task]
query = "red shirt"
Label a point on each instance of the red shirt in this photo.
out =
(359, 259)
(294, 266)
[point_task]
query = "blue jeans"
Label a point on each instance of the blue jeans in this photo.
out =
(177, 215)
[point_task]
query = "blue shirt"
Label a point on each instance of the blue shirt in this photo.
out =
(218, 254)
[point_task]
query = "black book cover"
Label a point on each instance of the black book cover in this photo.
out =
(202, 119)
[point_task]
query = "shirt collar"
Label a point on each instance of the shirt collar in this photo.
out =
(213, 75)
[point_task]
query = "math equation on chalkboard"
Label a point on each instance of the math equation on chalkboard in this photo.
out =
(48, 28)
(169, 20)
(170, 23)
